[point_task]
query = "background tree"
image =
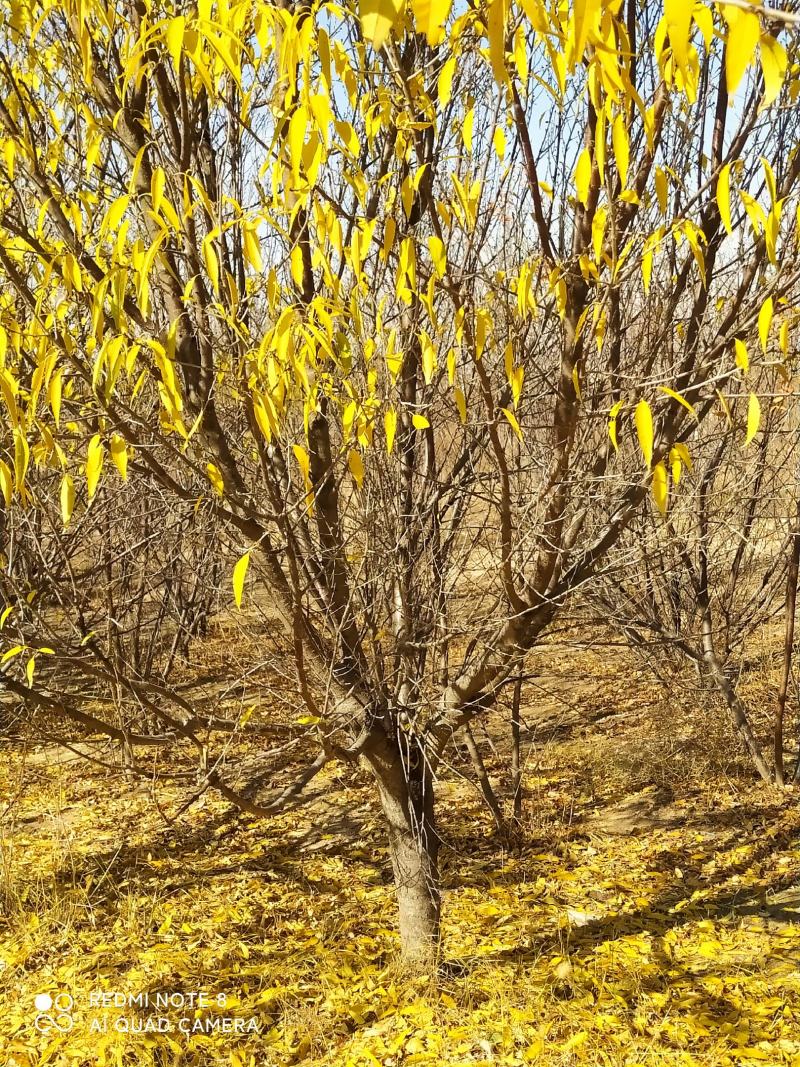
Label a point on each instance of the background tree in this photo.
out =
(365, 291)
(711, 587)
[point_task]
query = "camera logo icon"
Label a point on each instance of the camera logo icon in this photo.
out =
(54, 1013)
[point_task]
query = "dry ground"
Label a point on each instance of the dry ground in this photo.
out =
(648, 916)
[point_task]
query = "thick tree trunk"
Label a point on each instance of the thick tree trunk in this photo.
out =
(416, 876)
(405, 787)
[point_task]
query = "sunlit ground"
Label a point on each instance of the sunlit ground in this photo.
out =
(647, 918)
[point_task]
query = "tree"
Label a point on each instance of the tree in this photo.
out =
(367, 288)
(701, 588)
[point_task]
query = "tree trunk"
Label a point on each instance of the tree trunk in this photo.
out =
(516, 766)
(416, 876)
(484, 782)
(788, 647)
(738, 710)
(405, 787)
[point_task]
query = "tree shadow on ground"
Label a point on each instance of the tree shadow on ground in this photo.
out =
(714, 849)
(190, 853)
(182, 856)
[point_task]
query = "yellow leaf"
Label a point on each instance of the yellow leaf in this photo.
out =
(157, 182)
(647, 264)
(660, 487)
(430, 17)
(239, 573)
(743, 35)
(598, 231)
(72, 273)
(583, 176)
(534, 1050)
(438, 256)
(679, 398)
(215, 477)
(298, 125)
(252, 246)
(9, 153)
(612, 423)
(22, 455)
(496, 27)
(297, 266)
(394, 359)
(678, 14)
(445, 84)
(94, 464)
(420, 422)
(517, 378)
(407, 189)
(54, 396)
(662, 189)
(461, 404)
(575, 1041)
(303, 460)
(483, 324)
(6, 482)
(512, 420)
(174, 37)
(428, 358)
(764, 322)
(390, 426)
(724, 196)
(675, 463)
(210, 260)
(466, 129)
(753, 417)
(619, 139)
(584, 16)
(262, 417)
(783, 337)
(576, 382)
(389, 231)
(769, 174)
(223, 50)
(377, 19)
(742, 359)
(682, 452)
(356, 464)
(67, 498)
(643, 418)
(115, 212)
(119, 455)
(773, 66)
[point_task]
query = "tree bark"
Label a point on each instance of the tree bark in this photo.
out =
(405, 787)
(484, 782)
(737, 708)
(788, 647)
(516, 766)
